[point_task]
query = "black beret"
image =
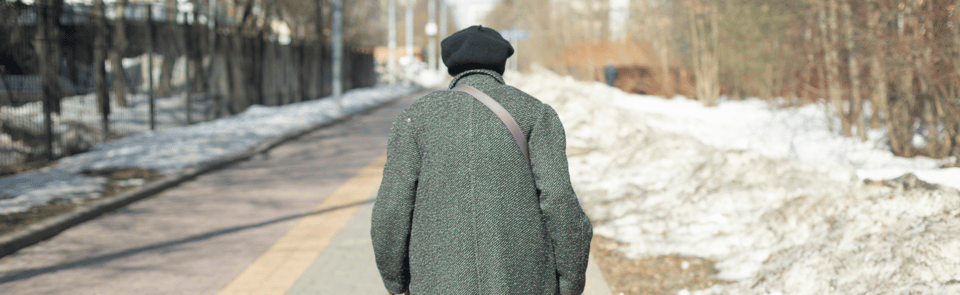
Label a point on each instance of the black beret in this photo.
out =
(475, 47)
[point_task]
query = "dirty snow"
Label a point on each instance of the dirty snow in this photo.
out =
(173, 148)
(775, 196)
(21, 192)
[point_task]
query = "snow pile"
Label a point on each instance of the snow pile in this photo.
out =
(134, 118)
(19, 193)
(672, 177)
(79, 123)
(173, 149)
(429, 78)
(802, 133)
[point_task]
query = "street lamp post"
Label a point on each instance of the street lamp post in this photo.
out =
(392, 41)
(431, 30)
(337, 52)
(409, 37)
(212, 46)
(443, 26)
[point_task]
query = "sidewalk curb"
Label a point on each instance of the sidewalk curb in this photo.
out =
(37, 232)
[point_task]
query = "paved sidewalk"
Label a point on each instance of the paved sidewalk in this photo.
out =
(198, 237)
(295, 221)
(346, 265)
(309, 259)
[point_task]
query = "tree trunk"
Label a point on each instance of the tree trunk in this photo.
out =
(234, 47)
(706, 67)
(901, 108)
(151, 48)
(170, 39)
(47, 43)
(116, 55)
(302, 65)
(951, 105)
(290, 78)
(704, 55)
(99, 70)
(906, 107)
(16, 40)
(270, 89)
(714, 62)
(902, 114)
(856, 100)
(879, 78)
(216, 74)
(256, 66)
(54, 56)
(828, 29)
(321, 48)
(656, 28)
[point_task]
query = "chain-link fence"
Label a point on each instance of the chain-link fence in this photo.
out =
(75, 75)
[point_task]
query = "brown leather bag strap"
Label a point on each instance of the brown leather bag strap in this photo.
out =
(502, 114)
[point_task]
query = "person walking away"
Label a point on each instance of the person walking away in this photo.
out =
(610, 73)
(460, 209)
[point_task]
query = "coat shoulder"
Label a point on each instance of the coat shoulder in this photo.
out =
(433, 99)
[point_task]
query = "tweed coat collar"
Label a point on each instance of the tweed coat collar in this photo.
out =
(476, 74)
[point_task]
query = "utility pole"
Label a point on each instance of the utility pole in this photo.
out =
(188, 28)
(152, 103)
(443, 28)
(320, 49)
(212, 46)
(337, 52)
(409, 37)
(392, 42)
(431, 31)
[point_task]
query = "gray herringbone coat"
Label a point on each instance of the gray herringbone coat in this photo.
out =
(459, 211)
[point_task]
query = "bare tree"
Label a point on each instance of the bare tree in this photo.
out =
(656, 28)
(116, 54)
(705, 39)
(171, 42)
(877, 69)
(831, 61)
(856, 101)
(903, 107)
(48, 51)
(99, 71)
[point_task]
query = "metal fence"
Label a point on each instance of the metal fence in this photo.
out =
(160, 68)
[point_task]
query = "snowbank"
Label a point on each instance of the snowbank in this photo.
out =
(771, 194)
(21, 192)
(174, 148)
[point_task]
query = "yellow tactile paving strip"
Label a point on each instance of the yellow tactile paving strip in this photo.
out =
(279, 267)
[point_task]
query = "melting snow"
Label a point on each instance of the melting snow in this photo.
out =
(172, 149)
(775, 196)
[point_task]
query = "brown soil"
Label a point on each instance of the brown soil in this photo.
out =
(112, 187)
(24, 167)
(15, 221)
(662, 275)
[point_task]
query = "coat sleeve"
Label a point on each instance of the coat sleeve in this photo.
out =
(393, 210)
(569, 228)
